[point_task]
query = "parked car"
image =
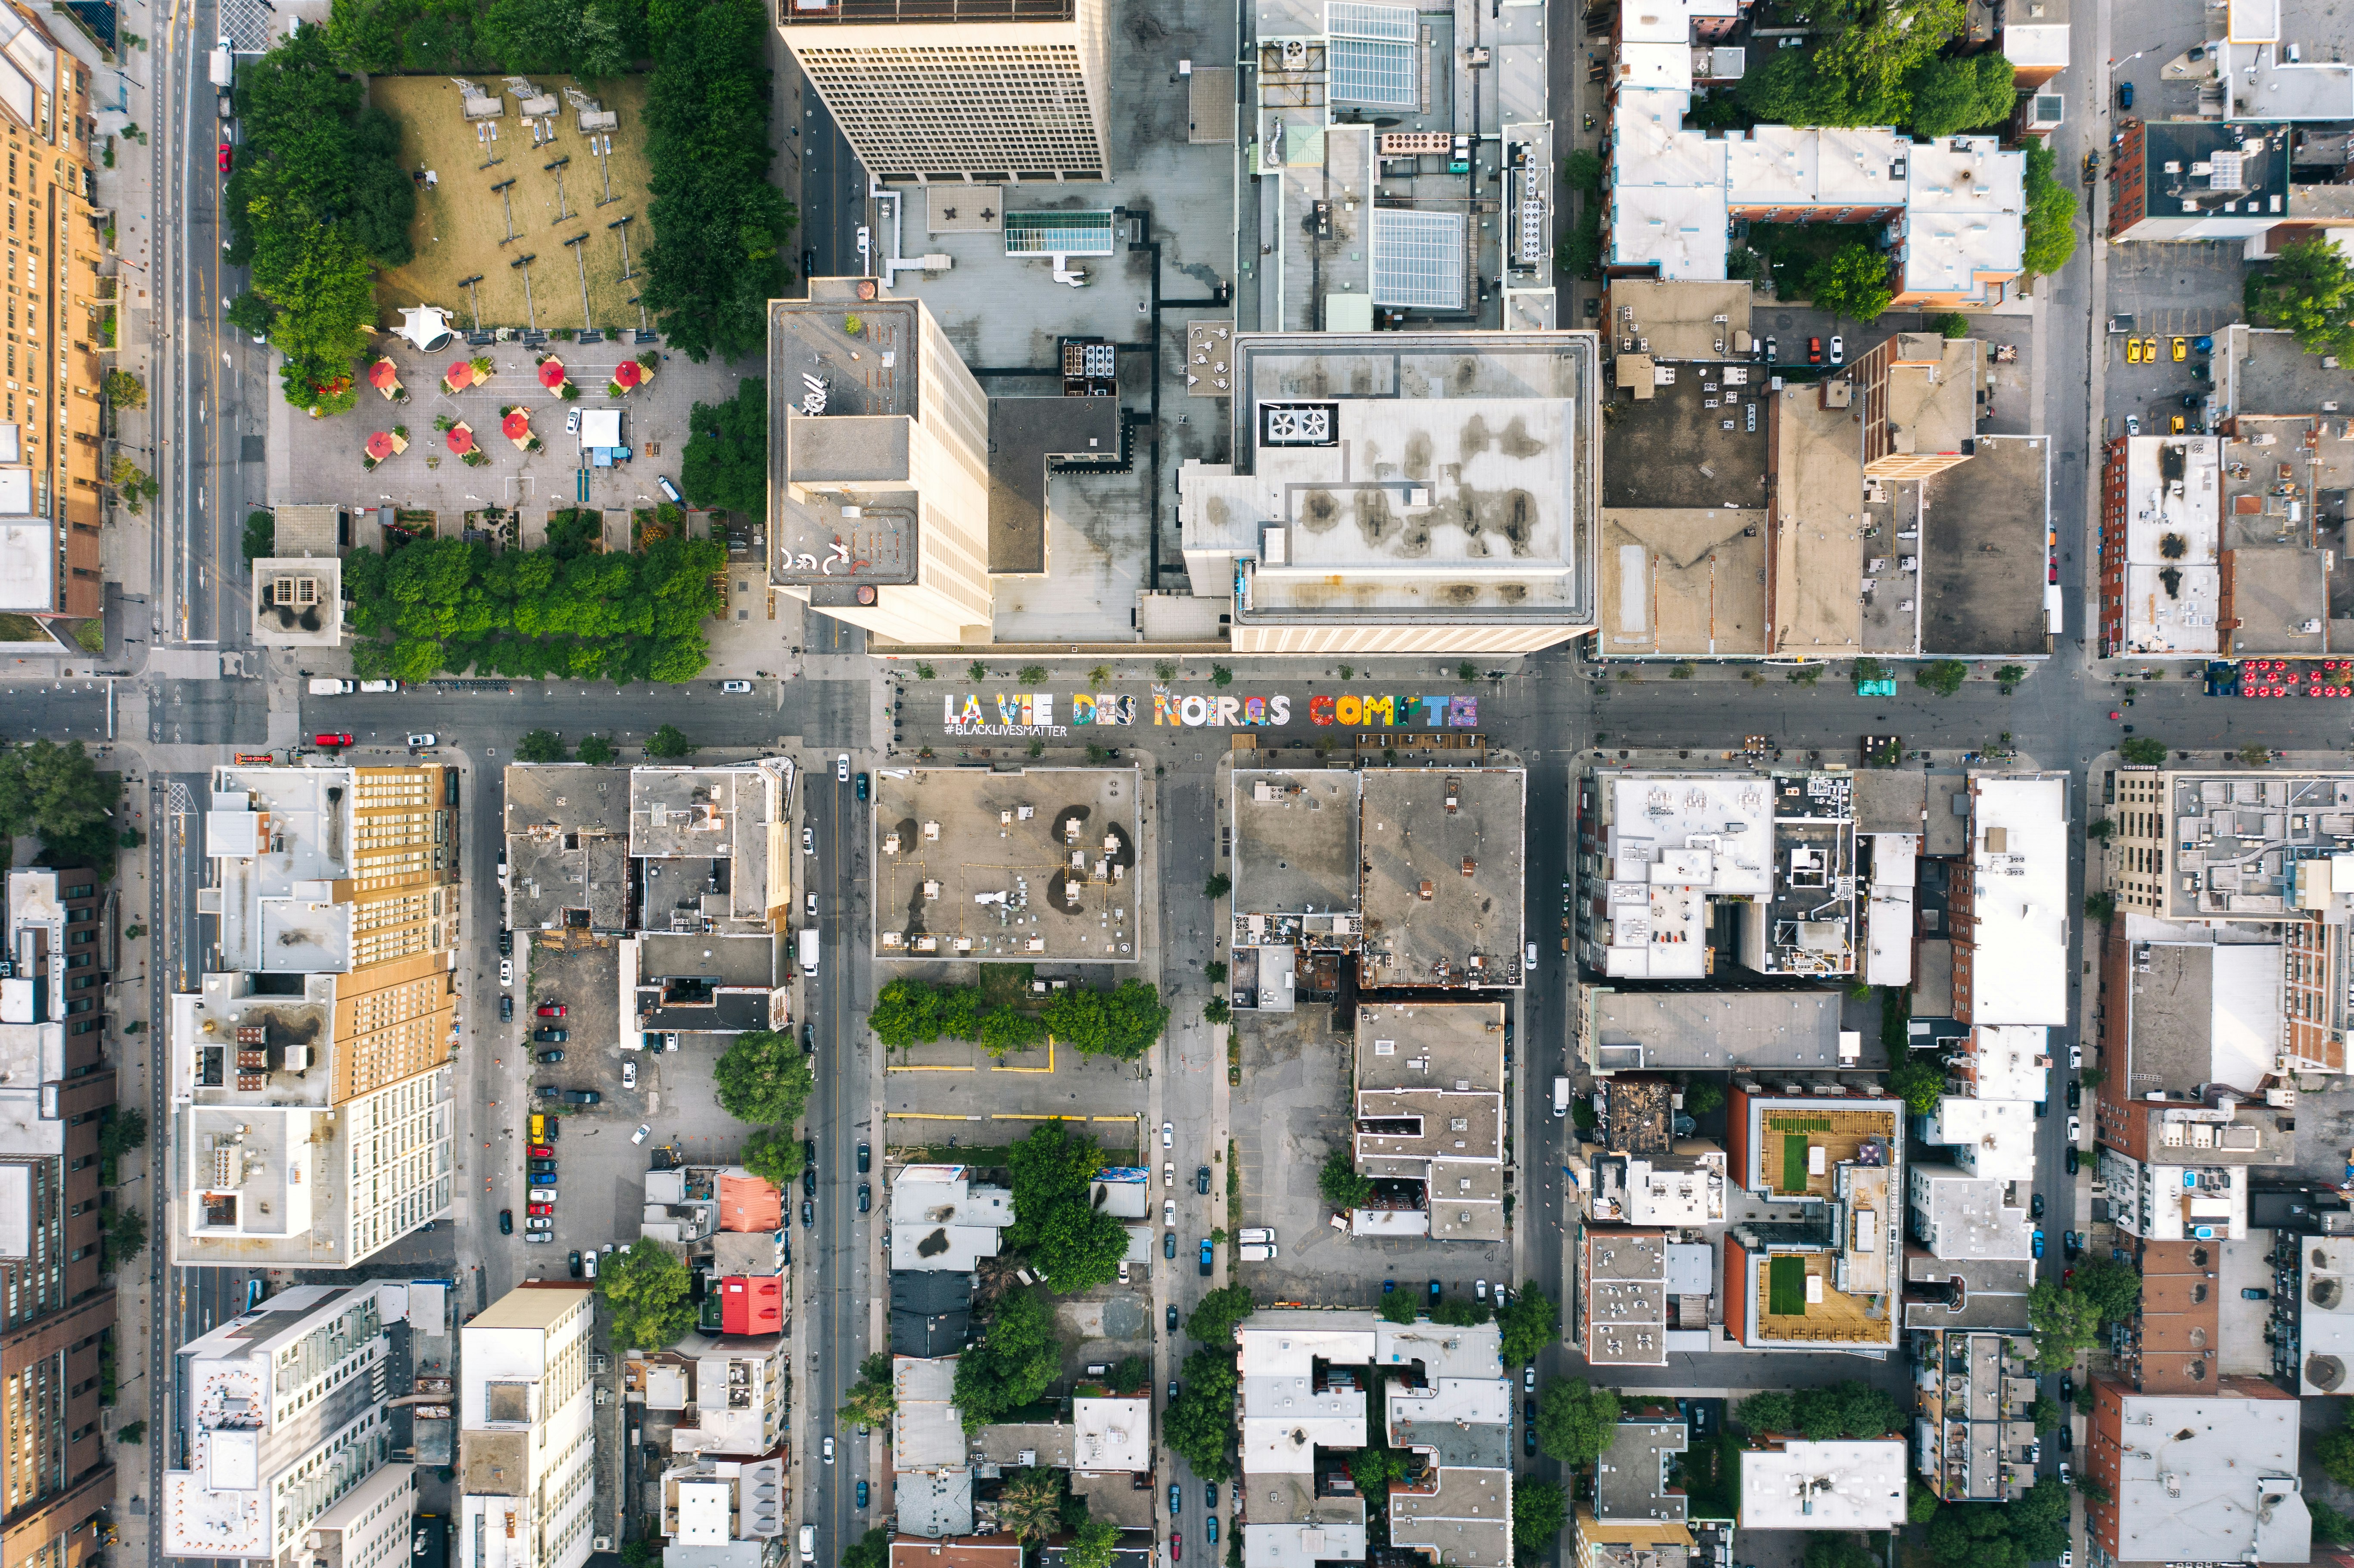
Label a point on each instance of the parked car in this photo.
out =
(2067, 1388)
(331, 741)
(2035, 1207)
(735, 687)
(570, 1096)
(1173, 1317)
(1202, 1179)
(2075, 1131)
(2072, 1159)
(1529, 1378)
(1176, 1499)
(865, 1198)
(540, 1167)
(1434, 1290)
(539, 1223)
(1176, 1542)
(425, 738)
(2065, 1478)
(548, 1009)
(573, 1262)
(2039, 1241)
(1168, 1211)
(1480, 1288)
(809, 841)
(842, 769)
(1172, 1391)
(1839, 349)
(1169, 1245)
(1814, 351)
(541, 1209)
(506, 972)
(1529, 1425)
(551, 1034)
(859, 792)
(865, 1160)
(506, 1222)
(1209, 1528)
(541, 1178)
(1123, 1271)
(629, 1075)
(809, 1215)
(645, 1131)
(2075, 1057)
(1168, 1135)
(551, 1056)
(506, 944)
(2133, 424)
(544, 1237)
(809, 1180)
(671, 494)
(2253, 1293)
(2075, 1093)
(588, 1264)
(1209, 1494)
(506, 1010)
(227, 155)
(2124, 95)
(1205, 1260)
(862, 1494)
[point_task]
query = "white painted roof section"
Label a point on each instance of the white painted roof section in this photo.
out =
(1112, 1434)
(1827, 1486)
(1964, 224)
(1993, 1139)
(2210, 1479)
(1667, 190)
(2019, 871)
(2010, 1061)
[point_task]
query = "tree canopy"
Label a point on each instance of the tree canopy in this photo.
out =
(2032, 1529)
(719, 226)
(1954, 94)
(2307, 288)
(2064, 1324)
(1530, 1322)
(646, 1290)
(563, 610)
(1030, 1504)
(56, 793)
(1574, 1421)
(1340, 1181)
(871, 1549)
(1850, 1409)
(1216, 1314)
(763, 1076)
(1830, 1549)
(1918, 1081)
(1012, 1362)
(2051, 214)
(1200, 1424)
(726, 462)
(1122, 1022)
(1539, 1511)
(908, 1010)
(1091, 1543)
(2113, 1288)
(872, 1400)
(775, 1156)
(1073, 1244)
(1852, 282)
(316, 200)
(1771, 1411)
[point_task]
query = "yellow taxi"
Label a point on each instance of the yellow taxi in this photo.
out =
(2133, 351)
(2181, 349)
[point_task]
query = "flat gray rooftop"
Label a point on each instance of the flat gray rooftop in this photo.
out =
(1632, 1481)
(1445, 862)
(1984, 537)
(1717, 1030)
(1430, 1046)
(1295, 841)
(1036, 865)
(852, 427)
(568, 796)
(1029, 438)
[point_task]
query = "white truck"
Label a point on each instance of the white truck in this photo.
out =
(809, 1543)
(1560, 1097)
(323, 686)
(809, 949)
(224, 64)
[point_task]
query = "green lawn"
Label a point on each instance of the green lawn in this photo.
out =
(1793, 248)
(1794, 1163)
(1785, 1287)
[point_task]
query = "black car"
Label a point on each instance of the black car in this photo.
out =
(1173, 1317)
(2042, 1107)
(809, 1180)
(2067, 1388)
(575, 1262)
(2076, 1094)
(1169, 1245)
(2067, 1443)
(809, 1150)
(506, 1222)
(551, 1056)
(809, 1215)
(1172, 1391)
(506, 944)
(552, 1036)
(570, 1096)
(541, 1167)
(1529, 1425)
(2072, 1159)
(2035, 1207)
(865, 1160)
(506, 1010)
(865, 1198)
(1202, 1179)
(862, 786)
(808, 1036)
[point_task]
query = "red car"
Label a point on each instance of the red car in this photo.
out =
(1176, 1547)
(542, 1151)
(331, 740)
(541, 1208)
(550, 1010)
(224, 155)
(1814, 351)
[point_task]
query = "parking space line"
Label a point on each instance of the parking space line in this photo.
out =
(925, 1116)
(1001, 1067)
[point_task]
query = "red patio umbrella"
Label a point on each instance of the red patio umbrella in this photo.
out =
(516, 425)
(461, 440)
(379, 445)
(383, 374)
(551, 374)
(460, 374)
(628, 373)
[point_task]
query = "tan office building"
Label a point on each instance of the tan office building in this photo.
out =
(987, 91)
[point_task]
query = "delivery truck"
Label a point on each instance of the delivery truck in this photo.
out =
(1560, 1096)
(809, 949)
(224, 64)
(322, 686)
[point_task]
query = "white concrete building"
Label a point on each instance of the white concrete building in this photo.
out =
(2009, 917)
(282, 1419)
(370, 1527)
(1824, 1486)
(941, 1221)
(2172, 540)
(528, 1459)
(1992, 1140)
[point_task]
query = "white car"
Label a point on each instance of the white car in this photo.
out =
(829, 1450)
(2075, 1130)
(1168, 1174)
(1168, 1135)
(1123, 1271)
(1839, 349)
(1480, 1288)
(2075, 1057)
(572, 421)
(538, 1223)
(809, 841)
(588, 1266)
(809, 903)
(543, 1194)
(506, 971)
(842, 769)
(1169, 1213)
(427, 739)
(735, 686)
(645, 1131)
(629, 1075)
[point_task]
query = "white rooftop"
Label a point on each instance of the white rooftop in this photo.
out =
(2174, 535)
(2009, 1060)
(2210, 1479)
(1825, 1486)
(2019, 873)
(1964, 219)
(1671, 843)
(1112, 1434)
(1992, 1139)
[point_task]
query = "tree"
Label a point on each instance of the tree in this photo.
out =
(1771, 1411)
(1952, 94)
(126, 1236)
(2309, 290)
(871, 1549)
(1953, 324)
(719, 225)
(775, 1156)
(1826, 1549)
(1030, 1504)
(1398, 1307)
(1004, 1030)
(2143, 750)
(1852, 282)
(2113, 1289)
(667, 743)
(1703, 1097)
(1073, 1244)
(1200, 1424)
(646, 1290)
(1132, 1375)
(1919, 1082)
(1218, 887)
(1340, 1184)
(1217, 1010)
(124, 389)
(1216, 1314)
(596, 750)
(1092, 1543)
(2050, 236)
(1214, 971)
(2336, 1453)
(1574, 1421)
(763, 1076)
(2064, 1325)
(1921, 1504)
(2329, 1527)
(1012, 1363)
(1539, 1510)
(1530, 1323)
(726, 462)
(124, 1131)
(872, 1400)
(1582, 171)
(130, 1432)
(1077, 1248)
(1819, 1413)
(1458, 1313)
(1122, 1022)
(540, 745)
(1943, 676)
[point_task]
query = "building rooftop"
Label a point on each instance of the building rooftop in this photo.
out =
(1670, 446)
(1959, 1216)
(2173, 544)
(1626, 1297)
(1667, 192)
(844, 498)
(298, 603)
(1963, 232)
(1816, 565)
(1039, 864)
(1682, 579)
(2019, 874)
(1443, 867)
(1717, 1030)
(2212, 1479)
(2202, 1013)
(1985, 549)
(1295, 851)
(1029, 439)
(939, 1221)
(1632, 1479)
(2254, 844)
(1824, 1486)
(1336, 509)
(1991, 1138)
(1705, 320)
(927, 1432)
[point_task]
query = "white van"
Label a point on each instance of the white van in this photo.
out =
(323, 686)
(1256, 1254)
(1256, 1236)
(379, 686)
(809, 1543)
